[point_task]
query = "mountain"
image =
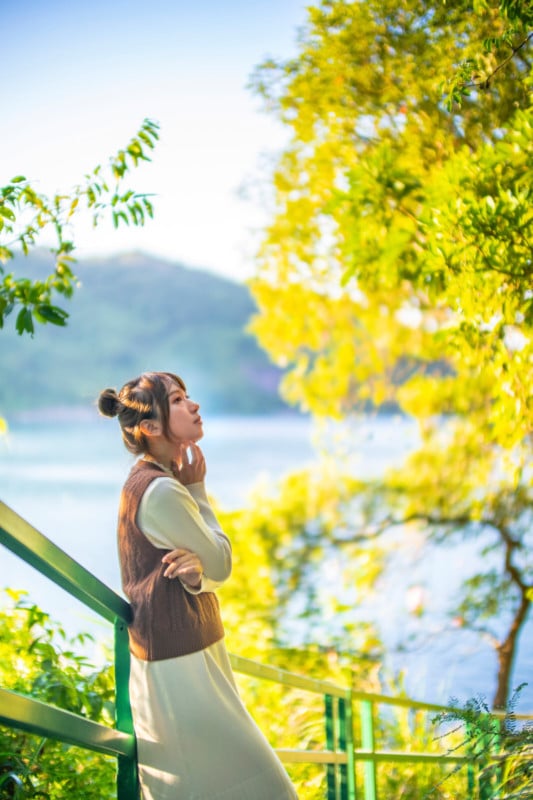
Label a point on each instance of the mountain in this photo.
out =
(133, 313)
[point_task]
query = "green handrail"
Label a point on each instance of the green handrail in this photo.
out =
(32, 715)
(26, 542)
(340, 756)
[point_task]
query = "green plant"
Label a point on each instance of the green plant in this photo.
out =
(16, 778)
(37, 658)
(26, 213)
(499, 748)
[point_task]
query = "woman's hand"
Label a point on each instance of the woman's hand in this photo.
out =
(185, 565)
(189, 469)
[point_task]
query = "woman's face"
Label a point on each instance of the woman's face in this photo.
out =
(185, 423)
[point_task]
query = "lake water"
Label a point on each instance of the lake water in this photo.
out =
(63, 473)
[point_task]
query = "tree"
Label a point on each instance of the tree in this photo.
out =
(25, 214)
(396, 271)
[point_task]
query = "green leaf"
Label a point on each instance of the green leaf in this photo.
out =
(7, 212)
(73, 206)
(24, 322)
(149, 207)
(49, 313)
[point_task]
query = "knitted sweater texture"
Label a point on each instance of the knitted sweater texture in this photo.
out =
(167, 621)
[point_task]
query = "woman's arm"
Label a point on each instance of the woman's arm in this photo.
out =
(172, 518)
(187, 567)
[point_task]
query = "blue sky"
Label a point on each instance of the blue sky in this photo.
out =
(79, 77)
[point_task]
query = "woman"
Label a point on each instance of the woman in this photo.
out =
(195, 739)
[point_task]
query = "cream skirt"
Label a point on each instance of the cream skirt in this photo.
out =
(195, 738)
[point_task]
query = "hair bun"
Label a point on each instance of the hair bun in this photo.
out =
(109, 403)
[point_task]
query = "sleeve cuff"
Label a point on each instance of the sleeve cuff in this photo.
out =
(207, 585)
(197, 490)
(191, 589)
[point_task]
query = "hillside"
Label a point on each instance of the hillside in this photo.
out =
(133, 313)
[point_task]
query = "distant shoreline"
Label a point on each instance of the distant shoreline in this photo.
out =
(52, 414)
(88, 413)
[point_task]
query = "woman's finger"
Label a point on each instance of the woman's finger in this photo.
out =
(179, 568)
(174, 554)
(181, 561)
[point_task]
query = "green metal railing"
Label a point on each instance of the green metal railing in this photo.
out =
(341, 756)
(34, 716)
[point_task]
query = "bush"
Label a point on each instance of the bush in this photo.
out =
(37, 659)
(499, 748)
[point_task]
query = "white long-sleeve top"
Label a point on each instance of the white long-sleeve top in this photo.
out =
(172, 515)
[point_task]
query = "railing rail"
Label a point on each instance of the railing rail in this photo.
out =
(29, 714)
(39, 552)
(26, 713)
(340, 756)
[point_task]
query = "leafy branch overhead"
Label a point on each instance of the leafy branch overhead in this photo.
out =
(399, 247)
(513, 20)
(25, 214)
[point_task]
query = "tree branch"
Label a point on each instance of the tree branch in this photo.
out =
(512, 570)
(376, 530)
(485, 84)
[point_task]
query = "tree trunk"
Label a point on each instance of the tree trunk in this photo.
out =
(506, 655)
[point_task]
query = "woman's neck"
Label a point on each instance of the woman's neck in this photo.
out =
(158, 459)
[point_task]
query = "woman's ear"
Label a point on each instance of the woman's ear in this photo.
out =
(150, 427)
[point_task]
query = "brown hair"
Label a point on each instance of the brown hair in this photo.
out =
(145, 397)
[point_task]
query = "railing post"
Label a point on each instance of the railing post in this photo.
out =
(331, 769)
(498, 727)
(127, 778)
(483, 743)
(368, 743)
(489, 774)
(347, 746)
(470, 770)
(350, 747)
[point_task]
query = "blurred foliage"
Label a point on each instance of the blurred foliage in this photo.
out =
(282, 542)
(37, 658)
(25, 214)
(500, 749)
(514, 20)
(396, 272)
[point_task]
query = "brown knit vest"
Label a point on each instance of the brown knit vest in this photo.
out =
(167, 621)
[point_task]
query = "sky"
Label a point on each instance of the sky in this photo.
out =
(79, 78)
